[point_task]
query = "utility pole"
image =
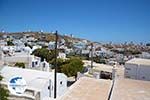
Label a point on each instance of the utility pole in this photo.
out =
(55, 73)
(91, 55)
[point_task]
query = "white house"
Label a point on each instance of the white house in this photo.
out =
(67, 51)
(18, 42)
(40, 84)
(44, 66)
(19, 57)
(63, 47)
(79, 45)
(27, 49)
(145, 55)
(138, 68)
(51, 45)
(30, 61)
(36, 47)
(3, 43)
(84, 52)
(36, 62)
(61, 55)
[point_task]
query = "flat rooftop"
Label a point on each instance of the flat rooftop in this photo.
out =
(98, 67)
(128, 89)
(103, 67)
(35, 79)
(139, 61)
(32, 77)
(88, 89)
(20, 54)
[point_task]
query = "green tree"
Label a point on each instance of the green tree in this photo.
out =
(44, 54)
(3, 92)
(10, 43)
(20, 65)
(72, 66)
(60, 62)
(1, 77)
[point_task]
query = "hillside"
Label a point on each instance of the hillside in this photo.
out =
(41, 36)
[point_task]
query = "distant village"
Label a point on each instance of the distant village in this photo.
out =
(108, 71)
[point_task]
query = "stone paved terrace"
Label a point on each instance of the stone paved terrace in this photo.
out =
(88, 89)
(128, 89)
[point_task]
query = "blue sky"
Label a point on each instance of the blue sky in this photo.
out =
(97, 20)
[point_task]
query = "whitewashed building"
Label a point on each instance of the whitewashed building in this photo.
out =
(44, 66)
(40, 84)
(51, 45)
(61, 55)
(138, 68)
(145, 55)
(84, 52)
(20, 57)
(36, 47)
(3, 43)
(67, 51)
(30, 61)
(27, 49)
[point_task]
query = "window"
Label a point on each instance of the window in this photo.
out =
(44, 65)
(61, 82)
(33, 65)
(36, 62)
(48, 87)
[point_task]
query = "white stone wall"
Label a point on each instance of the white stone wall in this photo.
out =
(139, 72)
(45, 91)
(130, 71)
(143, 72)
